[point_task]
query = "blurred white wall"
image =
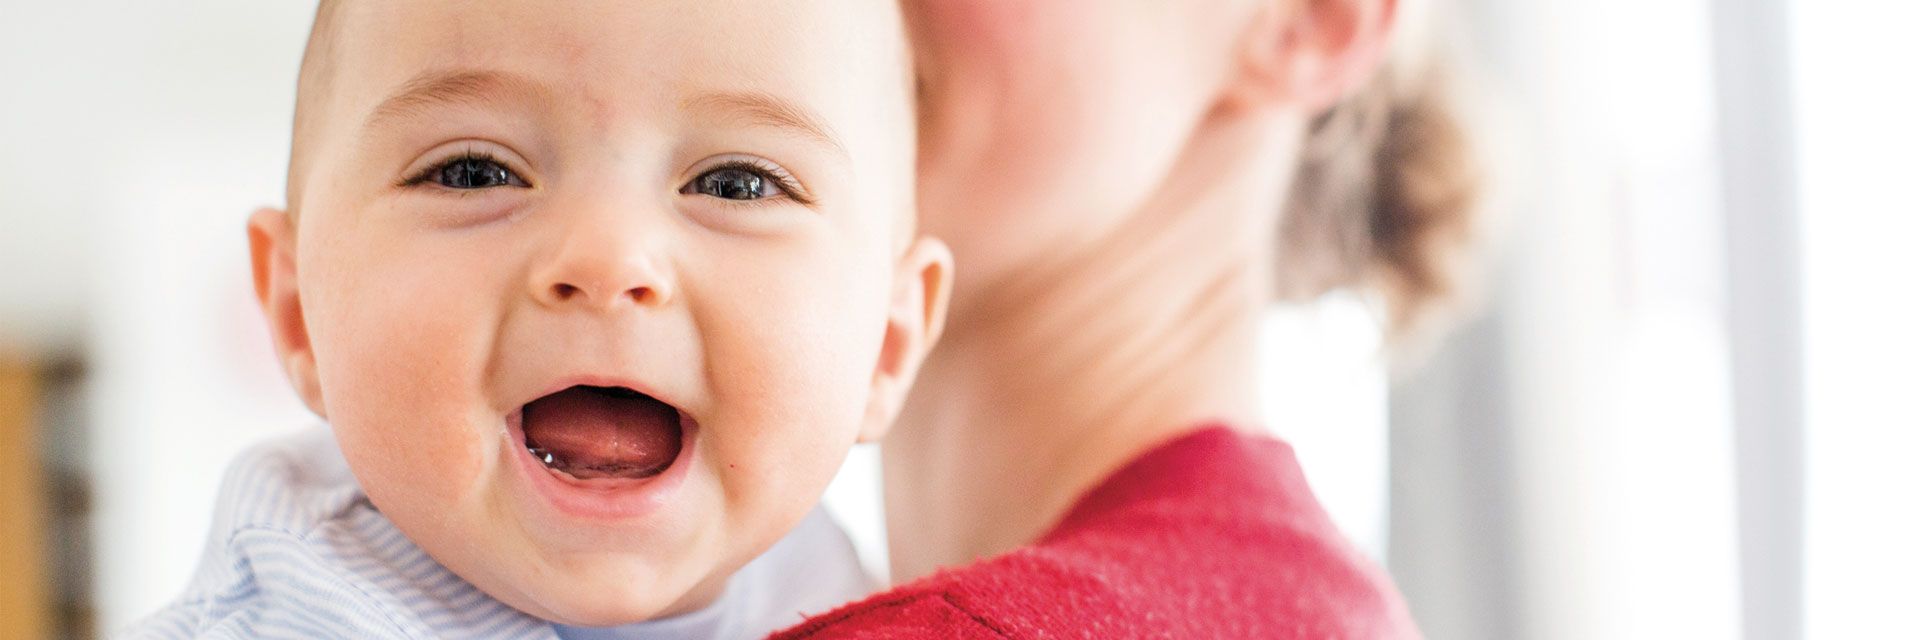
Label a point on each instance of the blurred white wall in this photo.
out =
(1563, 468)
(1689, 413)
(139, 135)
(1859, 136)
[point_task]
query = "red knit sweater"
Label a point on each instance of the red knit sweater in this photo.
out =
(1213, 535)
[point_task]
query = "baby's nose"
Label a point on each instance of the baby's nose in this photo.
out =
(601, 271)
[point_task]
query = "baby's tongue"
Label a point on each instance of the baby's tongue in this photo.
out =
(593, 432)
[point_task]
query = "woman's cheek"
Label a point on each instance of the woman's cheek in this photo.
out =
(1036, 124)
(971, 31)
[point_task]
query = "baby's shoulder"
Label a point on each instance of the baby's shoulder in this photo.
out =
(290, 484)
(296, 549)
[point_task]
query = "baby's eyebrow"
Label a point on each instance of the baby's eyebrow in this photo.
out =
(767, 110)
(432, 88)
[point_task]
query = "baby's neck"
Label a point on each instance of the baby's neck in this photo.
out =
(1040, 392)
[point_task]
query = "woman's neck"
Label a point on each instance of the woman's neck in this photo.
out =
(1075, 368)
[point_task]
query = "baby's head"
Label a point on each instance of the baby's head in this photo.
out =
(597, 295)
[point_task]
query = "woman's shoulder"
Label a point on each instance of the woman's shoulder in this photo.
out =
(1213, 534)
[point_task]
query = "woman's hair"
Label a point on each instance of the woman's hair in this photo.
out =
(1384, 198)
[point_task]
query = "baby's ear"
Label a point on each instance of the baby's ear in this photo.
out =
(276, 284)
(1310, 55)
(923, 281)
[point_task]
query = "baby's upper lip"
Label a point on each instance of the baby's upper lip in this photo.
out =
(600, 380)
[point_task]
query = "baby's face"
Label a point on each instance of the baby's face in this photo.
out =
(597, 295)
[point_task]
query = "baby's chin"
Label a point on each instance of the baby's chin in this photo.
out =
(607, 592)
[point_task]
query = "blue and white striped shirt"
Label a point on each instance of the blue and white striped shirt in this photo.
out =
(297, 551)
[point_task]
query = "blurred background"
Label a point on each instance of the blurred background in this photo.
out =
(1683, 407)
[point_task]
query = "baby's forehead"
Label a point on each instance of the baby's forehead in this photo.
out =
(612, 50)
(836, 69)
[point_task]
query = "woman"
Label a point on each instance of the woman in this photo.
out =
(1112, 178)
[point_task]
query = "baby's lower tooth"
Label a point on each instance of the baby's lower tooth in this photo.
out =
(544, 456)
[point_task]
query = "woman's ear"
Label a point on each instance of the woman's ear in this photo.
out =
(1309, 54)
(271, 239)
(917, 313)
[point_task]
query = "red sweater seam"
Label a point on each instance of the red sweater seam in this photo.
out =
(977, 618)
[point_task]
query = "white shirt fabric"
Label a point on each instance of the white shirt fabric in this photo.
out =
(297, 551)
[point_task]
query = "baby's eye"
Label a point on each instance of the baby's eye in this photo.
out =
(473, 172)
(735, 183)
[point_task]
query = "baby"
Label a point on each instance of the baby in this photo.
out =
(595, 297)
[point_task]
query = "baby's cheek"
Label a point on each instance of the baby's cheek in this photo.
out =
(399, 377)
(791, 387)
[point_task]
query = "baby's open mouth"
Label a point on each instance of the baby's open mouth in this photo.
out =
(602, 432)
